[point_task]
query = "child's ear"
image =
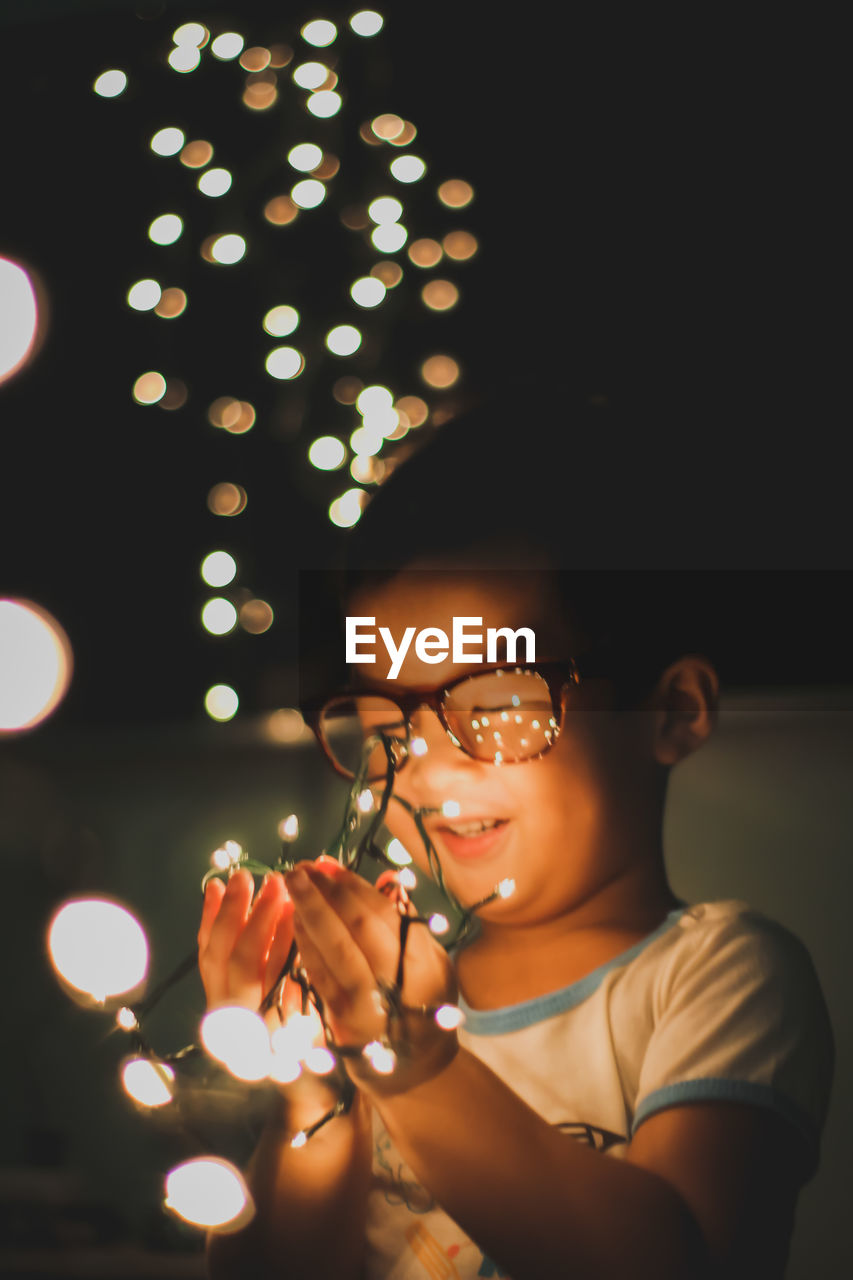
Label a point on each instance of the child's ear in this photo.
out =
(685, 705)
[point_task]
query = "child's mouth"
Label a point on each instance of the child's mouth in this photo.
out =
(472, 838)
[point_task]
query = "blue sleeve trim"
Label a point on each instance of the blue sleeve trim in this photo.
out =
(721, 1089)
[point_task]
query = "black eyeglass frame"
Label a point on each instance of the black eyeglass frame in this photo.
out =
(555, 674)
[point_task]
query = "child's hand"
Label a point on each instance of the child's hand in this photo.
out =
(348, 935)
(243, 944)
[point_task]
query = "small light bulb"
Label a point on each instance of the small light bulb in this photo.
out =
(398, 854)
(506, 888)
(365, 801)
(407, 878)
(451, 809)
(127, 1019)
(381, 1057)
(288, 828)
(418, 747)
(300, 1139)
(438, 923)
(449, 1017)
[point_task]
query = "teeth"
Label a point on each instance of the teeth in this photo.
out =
(473, 828)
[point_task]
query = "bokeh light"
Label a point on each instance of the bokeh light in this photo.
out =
(389, 237)
(346, 389)
(440, 371)
(455, 193)
(305, 156)
(228, 249)
(425, 252)
(110, 84)
(184, 58)
(280, 211)
(227, 499)
(384, 209)
(440, 295)
(408, 134)
(175, 396)
(310, 75)
(369, 291)
(373, 399)
(390, 273)
(260, 93)
(19, 320)
(35, 664)
(281, 320)
(165, 229)
(144, 295)
(196, 154)
(172, 303)
(149, 388)
(388, 126)
(256, 617)
(227, 46)
(168, 141)
(327, 453)
(238, 1038)
(460, 245)
(148, 1083)
(218, 568)
(192, 34)
(324, 104)
(398, 853)
(343, 340)
(98, 948)
(209, 1192)
(255, 59)
(221, 702)
(308, 194)
(214, 182)
(367, 22)
(320, 32)
(346, 510)
(415, 409)
(218, 616)
(407, 168)
(286, 725)
(285, 363)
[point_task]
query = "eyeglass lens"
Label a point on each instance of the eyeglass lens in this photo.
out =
(499, 717)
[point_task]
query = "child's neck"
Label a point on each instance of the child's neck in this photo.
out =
(507, 964)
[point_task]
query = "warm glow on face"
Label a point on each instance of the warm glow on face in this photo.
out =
(98, 948)
(18, 318)
(210, 1193)
(35, 665)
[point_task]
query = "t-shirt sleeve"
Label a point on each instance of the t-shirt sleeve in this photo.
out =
(739, 1016)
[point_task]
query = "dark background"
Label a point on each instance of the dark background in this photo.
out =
(654, 203)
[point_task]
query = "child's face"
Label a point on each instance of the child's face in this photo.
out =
(573, 822)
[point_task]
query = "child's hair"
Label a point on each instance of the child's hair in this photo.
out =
(530, 480)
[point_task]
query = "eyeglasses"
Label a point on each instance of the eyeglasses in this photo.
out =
(505, 715)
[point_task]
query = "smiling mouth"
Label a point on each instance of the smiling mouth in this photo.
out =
(474, 827)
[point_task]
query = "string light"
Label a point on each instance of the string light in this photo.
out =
(367, 22)
(36, 663)
(319, 32)
(227, 46)
(305, 156)
(166, 228)
(209, 1193)
(98, 948)
(110, 84)
(221, 702)
(168, 141)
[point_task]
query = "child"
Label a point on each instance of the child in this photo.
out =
(639, 1086)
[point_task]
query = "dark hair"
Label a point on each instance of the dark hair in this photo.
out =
(561, 482)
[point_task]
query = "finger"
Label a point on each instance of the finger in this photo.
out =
(214, 892)
(231, 917)
(280, 946)
(329, 952)
(371, 919)
(253, 944)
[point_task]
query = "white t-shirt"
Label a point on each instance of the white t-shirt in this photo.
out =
(719, 1002)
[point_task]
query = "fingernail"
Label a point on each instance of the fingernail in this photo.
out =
(298, 880)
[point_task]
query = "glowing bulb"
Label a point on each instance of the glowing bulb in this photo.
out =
(407, 878)
(98, 948)
(184, 58)
(288, 828)
(346, 510)
(211, 1193)
(367, 22)
(219, 616)
(127, 1019)
(218, 568)
(438, 923)
(319, 32)
(368, 291)
(455, 193)
(168, 141)
(305, 156)
(365, 801)
(373, 399)
(147, 1082)
(110, 84)
(407, 168)
(309, 193)
(221, 702)
(389, 237)
(228, 249)
(190, 33)
(227, 46)
(398, 855)
(281, 321)
(440, 295)
(459, 245)
(166, 229)
(506, 888)
(440, 371)
(383, 210)
(35, 665)
(324, 104)
(388, 126)
(381, 1057)
(300, 1139)
(144, 295)
(310, 75)
(449, 1017)
(320, 1061)
(451, 809)
(366, 441)
(238, 1038)
(343, 340)
(214, 182)
(220, 859)
(18, 318)
(284, 363)
(327, 453)
(418, 746)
